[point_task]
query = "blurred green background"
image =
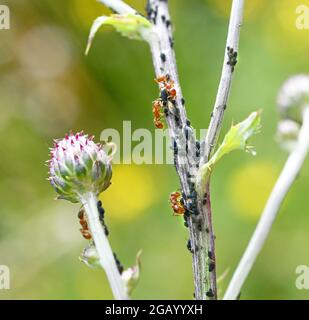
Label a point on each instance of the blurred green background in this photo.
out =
(48, 86)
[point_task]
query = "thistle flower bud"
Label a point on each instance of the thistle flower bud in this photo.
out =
(287, 134)
(293, 97)
(78, 166)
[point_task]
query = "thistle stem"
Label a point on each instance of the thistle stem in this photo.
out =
(232, 42)
(161, 44)
(118, 6)
(286, 179)
(103, 247)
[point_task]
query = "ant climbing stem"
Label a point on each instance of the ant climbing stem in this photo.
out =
(166, 103)
(177, 203)
(87, 234)
(83, 222)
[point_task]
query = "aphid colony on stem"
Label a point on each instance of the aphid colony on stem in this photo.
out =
(87, 234)
(161, 105)
(232, 55)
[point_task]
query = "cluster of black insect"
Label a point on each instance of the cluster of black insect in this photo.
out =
(165, 21)
(152, 12)
(211, 264)
(210, 293)
(190, 204)
(189, 247)
(197, 153)
(232, 55)
(176, 115)
(196, 150)
(189, 201)
(166, 98)
(187, 129)
(101, 217)
(163, 57)
(175, 148)
(205, 198)
(118, 263)
(171, 41)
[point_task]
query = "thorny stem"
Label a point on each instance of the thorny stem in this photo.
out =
(118, 6)
(105, 252)
(286, 179)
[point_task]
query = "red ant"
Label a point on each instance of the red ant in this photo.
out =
(162, 79)
(167, 92)
(177, 206)
(83, 222)
(156, 110)
(167, 84)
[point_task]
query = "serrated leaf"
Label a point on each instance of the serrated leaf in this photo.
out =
(129, 25)
(236, 139)
(238, 136)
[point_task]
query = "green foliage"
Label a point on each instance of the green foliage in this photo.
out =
(129, 25)
(112, 85)
(236, 139)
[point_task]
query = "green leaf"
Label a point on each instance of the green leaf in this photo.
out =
(90, 257)
(236, 139)
(129, 25)
(131, 276)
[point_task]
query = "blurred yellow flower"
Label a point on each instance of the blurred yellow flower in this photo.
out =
(133, 190)
(249, 188)
(284, 27)
(223, 7)
(85, 14)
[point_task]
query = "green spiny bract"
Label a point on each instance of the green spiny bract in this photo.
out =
(293, 97)
(78, 166)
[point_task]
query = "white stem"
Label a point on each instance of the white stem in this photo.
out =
(282, 186)
(160, 40)
(225, 81)
(103, 247)
(118, 6)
